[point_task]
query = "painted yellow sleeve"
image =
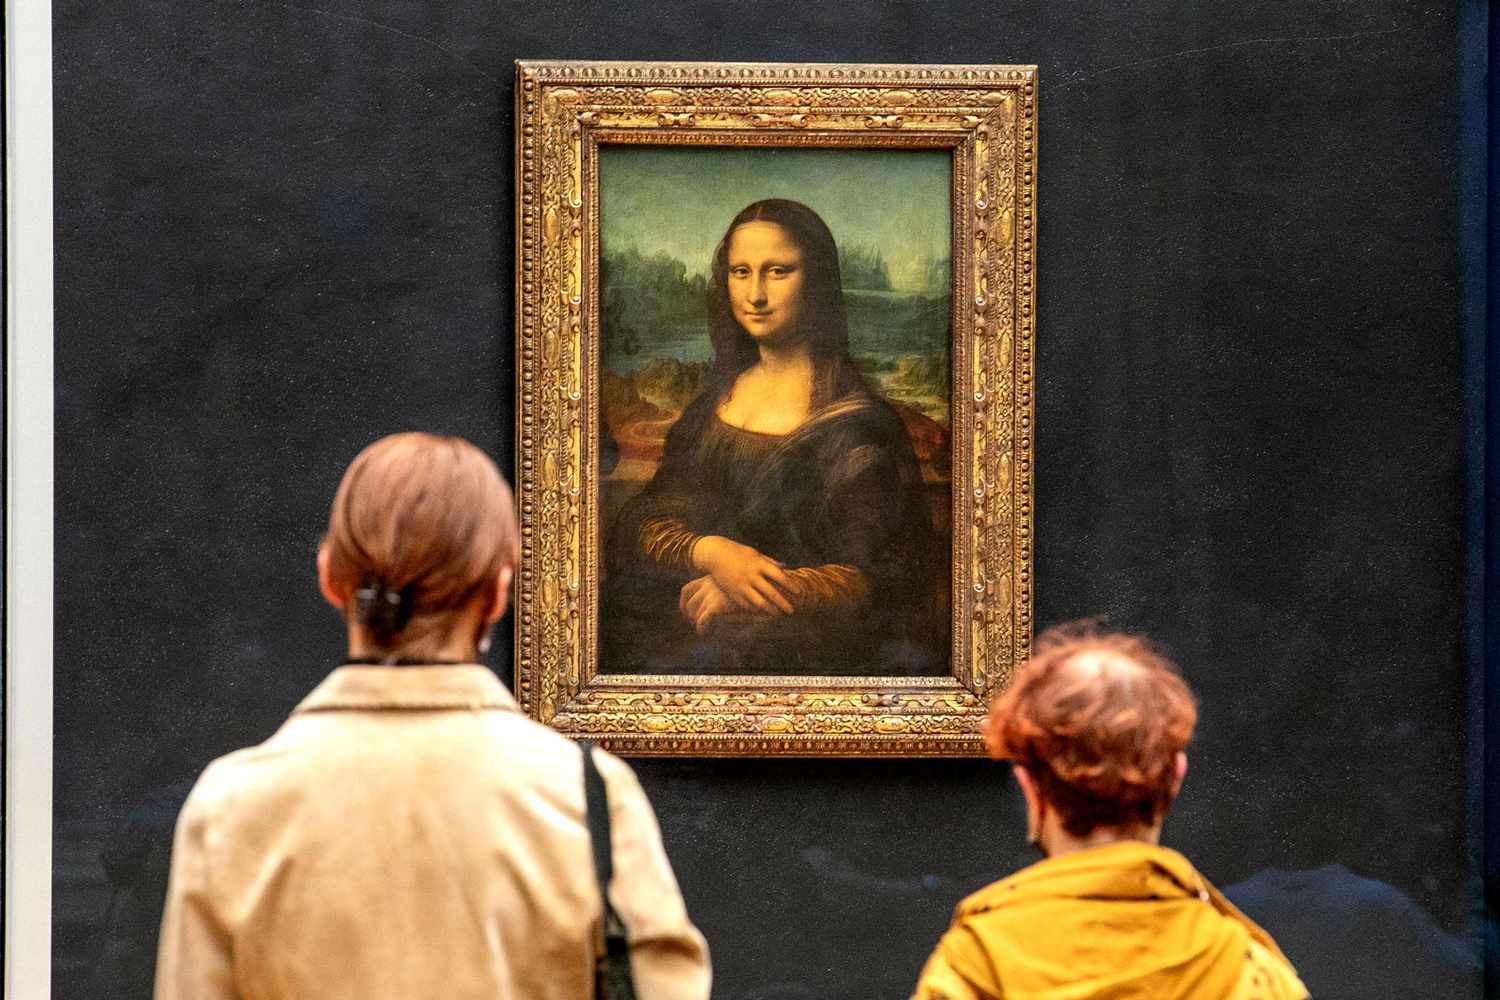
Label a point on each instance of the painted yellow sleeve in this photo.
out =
(828, 587)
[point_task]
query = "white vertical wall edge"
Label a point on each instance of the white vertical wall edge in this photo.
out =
(28, 534)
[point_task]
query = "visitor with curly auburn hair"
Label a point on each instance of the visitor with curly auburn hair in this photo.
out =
(1096, 727)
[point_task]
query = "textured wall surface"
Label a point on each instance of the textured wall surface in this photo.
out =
(284, 229)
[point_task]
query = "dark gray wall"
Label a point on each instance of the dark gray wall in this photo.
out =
(284, 229)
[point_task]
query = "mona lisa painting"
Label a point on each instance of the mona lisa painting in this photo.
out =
(769, 512)
(774, 403)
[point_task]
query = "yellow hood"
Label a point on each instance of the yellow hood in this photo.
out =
(1127, 921)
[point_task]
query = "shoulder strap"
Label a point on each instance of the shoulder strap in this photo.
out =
(613, 980)
(596, 810)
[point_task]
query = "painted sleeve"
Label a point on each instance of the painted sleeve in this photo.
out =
(667, 541)
(876, 517)
(657, 527)
(829, 587)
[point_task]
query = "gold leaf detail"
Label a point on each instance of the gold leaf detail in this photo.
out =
(661, 96)
(779, 121)
(776, 724)
(882, 121)
(898, 98)
(780, 97)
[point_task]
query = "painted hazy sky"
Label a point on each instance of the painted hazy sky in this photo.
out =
(679, 199)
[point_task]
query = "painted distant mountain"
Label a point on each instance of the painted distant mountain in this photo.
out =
(864, 268)
(668, 383)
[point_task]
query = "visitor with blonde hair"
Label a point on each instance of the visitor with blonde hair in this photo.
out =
(408, 832)
(1096, 727)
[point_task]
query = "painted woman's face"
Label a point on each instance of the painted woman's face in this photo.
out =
(765, 281)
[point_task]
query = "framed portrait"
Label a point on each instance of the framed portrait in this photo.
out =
(775, 334)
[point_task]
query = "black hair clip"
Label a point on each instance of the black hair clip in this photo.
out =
(382, 609)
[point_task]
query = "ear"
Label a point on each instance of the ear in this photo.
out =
(1028, 786)
(325, 581)
(1033, 797)
(502, 595)
(1181, 773)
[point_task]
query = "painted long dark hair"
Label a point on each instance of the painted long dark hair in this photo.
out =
(824, 320)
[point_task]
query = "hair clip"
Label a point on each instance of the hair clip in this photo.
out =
(381, 608)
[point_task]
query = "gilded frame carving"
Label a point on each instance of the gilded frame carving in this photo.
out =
(986, 116)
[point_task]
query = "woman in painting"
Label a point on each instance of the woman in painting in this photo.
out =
(786, 530)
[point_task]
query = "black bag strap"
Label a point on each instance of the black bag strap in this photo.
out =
(612, 978)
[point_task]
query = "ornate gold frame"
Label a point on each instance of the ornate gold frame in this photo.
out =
(986, 115)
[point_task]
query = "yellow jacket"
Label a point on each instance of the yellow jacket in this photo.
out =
(408, 833)
(1126, 921)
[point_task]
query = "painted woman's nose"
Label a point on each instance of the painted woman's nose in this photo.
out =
(758, 291)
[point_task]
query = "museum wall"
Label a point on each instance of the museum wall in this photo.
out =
(285, 229)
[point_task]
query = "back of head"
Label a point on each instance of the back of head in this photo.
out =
(1098, 720)
(420, 529)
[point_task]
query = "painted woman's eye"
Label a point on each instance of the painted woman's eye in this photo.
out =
(739, 271)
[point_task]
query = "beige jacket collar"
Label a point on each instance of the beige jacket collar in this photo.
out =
(465, 687)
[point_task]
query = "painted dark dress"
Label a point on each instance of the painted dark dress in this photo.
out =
(839, 501)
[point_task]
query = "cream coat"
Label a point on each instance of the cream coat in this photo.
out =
(409, 833)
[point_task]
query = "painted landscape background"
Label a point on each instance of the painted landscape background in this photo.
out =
(663, 211)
